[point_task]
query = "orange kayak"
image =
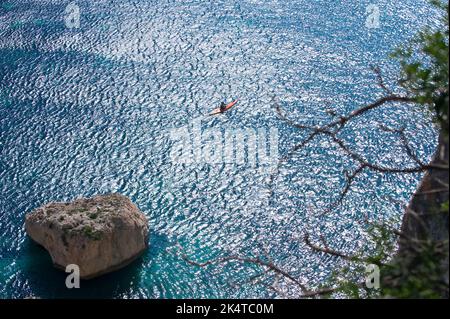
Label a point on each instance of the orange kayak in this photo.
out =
(229, 106)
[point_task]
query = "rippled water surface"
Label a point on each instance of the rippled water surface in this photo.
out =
(90, 110)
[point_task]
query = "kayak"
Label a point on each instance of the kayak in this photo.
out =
(229, 106)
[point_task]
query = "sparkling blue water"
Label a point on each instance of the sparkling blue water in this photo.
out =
(90, 110)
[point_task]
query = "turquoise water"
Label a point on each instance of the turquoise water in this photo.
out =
(90, 110)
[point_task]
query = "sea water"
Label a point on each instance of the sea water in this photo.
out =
(94, 93)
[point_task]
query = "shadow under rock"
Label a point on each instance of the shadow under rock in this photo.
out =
(47, 282)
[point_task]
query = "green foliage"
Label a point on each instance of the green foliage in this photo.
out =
(348, 279)
(444, 207)
(425, 67)
(93, 215)
(417, 274)
(89, 232)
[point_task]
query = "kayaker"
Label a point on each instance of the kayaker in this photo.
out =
(222, 107)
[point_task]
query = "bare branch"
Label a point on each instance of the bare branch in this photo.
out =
(256, 261)
(433, 191)
(405, 143)
(379, 168)
(350, 179)
(319, 292)
(290, 122)
(327, 250)
(380, 80)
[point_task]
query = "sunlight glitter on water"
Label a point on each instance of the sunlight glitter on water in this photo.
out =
(90, 111)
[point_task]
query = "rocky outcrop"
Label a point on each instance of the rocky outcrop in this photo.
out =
(425, 221)
(100, 234)
(423, 218)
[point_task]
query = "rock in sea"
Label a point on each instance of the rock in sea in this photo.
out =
(99, 234)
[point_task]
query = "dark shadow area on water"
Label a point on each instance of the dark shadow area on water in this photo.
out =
(45, 281)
